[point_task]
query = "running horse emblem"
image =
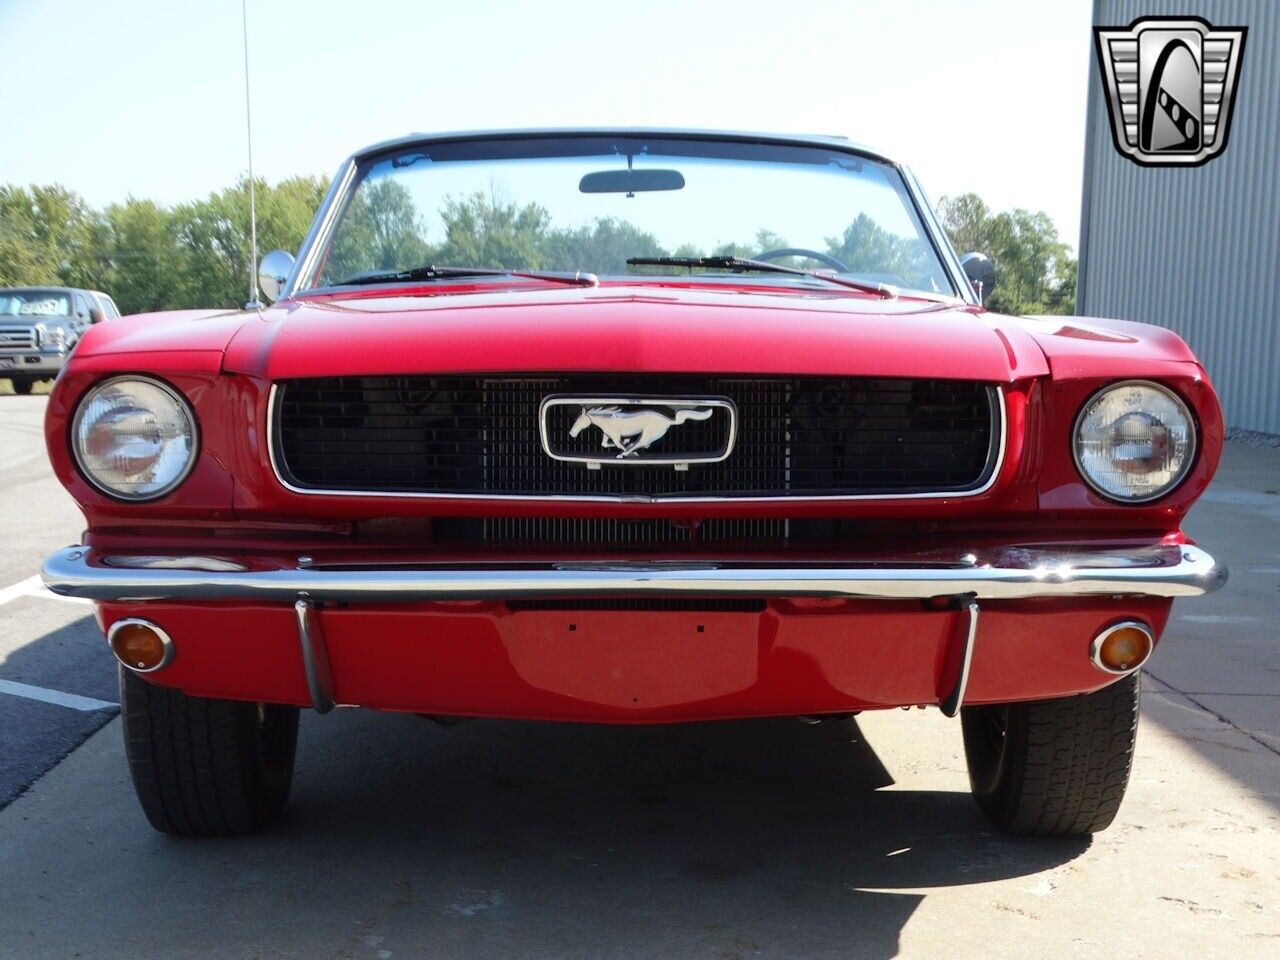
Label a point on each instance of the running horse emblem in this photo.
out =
(630, 431)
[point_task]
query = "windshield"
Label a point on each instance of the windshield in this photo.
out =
(34, 303)
(592, 203)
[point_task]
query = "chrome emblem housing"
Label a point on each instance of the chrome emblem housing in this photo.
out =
(637, 430)
(1170, 85)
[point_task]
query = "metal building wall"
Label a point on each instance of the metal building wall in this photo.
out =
(1196, 250)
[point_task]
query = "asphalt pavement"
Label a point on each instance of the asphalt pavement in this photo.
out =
(740, 840)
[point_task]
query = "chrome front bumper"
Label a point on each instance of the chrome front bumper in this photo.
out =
(31, 364)
(1164, 570)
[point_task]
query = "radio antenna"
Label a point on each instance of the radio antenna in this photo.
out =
(253, 303)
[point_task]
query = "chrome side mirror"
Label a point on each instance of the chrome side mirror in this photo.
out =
(272, 274)
(981, 273)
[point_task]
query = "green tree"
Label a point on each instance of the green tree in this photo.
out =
(214, 235)
(485, 231)
(381, 230)
(24, 257)
(1035, 272)
(865, 247)
(48, 234)
(603, 246)
(149, 266)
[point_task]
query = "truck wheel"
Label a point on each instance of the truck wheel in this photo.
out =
(206, 767)
(22, 387)
(1053, 768)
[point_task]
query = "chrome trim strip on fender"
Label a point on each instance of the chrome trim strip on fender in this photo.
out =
(1000, 437)
(1014, 573)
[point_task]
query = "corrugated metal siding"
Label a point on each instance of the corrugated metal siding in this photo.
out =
(1197, 250)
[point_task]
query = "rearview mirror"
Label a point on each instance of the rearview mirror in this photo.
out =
(96, 315)
(631, 182)
(981, 273)
(274, 271)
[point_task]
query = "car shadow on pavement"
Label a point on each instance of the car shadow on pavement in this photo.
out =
(727, 839)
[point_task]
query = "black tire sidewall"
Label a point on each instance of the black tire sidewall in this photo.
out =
(267, 756)
(205, 767)
(998, 775)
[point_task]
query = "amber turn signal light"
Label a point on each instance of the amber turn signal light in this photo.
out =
(1122, 647)
(140, 645)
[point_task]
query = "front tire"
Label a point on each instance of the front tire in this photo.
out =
(22, 387)
(1053, 768)
(206, 767)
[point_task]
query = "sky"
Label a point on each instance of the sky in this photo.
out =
(146, 98)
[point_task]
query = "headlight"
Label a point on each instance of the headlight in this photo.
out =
(55, 337)
(1134, 441)
(134, 438)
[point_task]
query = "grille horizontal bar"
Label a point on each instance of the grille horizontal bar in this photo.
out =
(479, 435)
(17, 338)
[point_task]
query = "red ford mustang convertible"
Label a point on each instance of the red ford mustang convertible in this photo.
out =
(630, 426)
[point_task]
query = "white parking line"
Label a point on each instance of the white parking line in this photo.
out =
(1215, 618)
(19, 589)
(33, 587)
(44, 695)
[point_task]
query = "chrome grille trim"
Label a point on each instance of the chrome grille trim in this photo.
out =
(18, 338)
(999, 439)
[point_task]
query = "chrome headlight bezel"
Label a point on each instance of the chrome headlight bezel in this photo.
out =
(184, 408)
(51, 337)
(1193, 442)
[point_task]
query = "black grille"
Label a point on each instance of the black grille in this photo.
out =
(479, 435)
(615, 531)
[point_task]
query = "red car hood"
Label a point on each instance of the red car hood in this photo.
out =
(632, 328)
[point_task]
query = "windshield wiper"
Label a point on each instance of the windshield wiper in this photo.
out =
(744, 264)
(432, 272)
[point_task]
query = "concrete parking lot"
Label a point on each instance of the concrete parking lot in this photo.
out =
(757, 839)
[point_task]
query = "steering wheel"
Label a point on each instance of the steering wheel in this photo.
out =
(803, 252)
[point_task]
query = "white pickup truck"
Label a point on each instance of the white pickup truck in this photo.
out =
(39, 327)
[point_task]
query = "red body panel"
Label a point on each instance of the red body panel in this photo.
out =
(632, 328)
(797, 657)
(627, 666)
